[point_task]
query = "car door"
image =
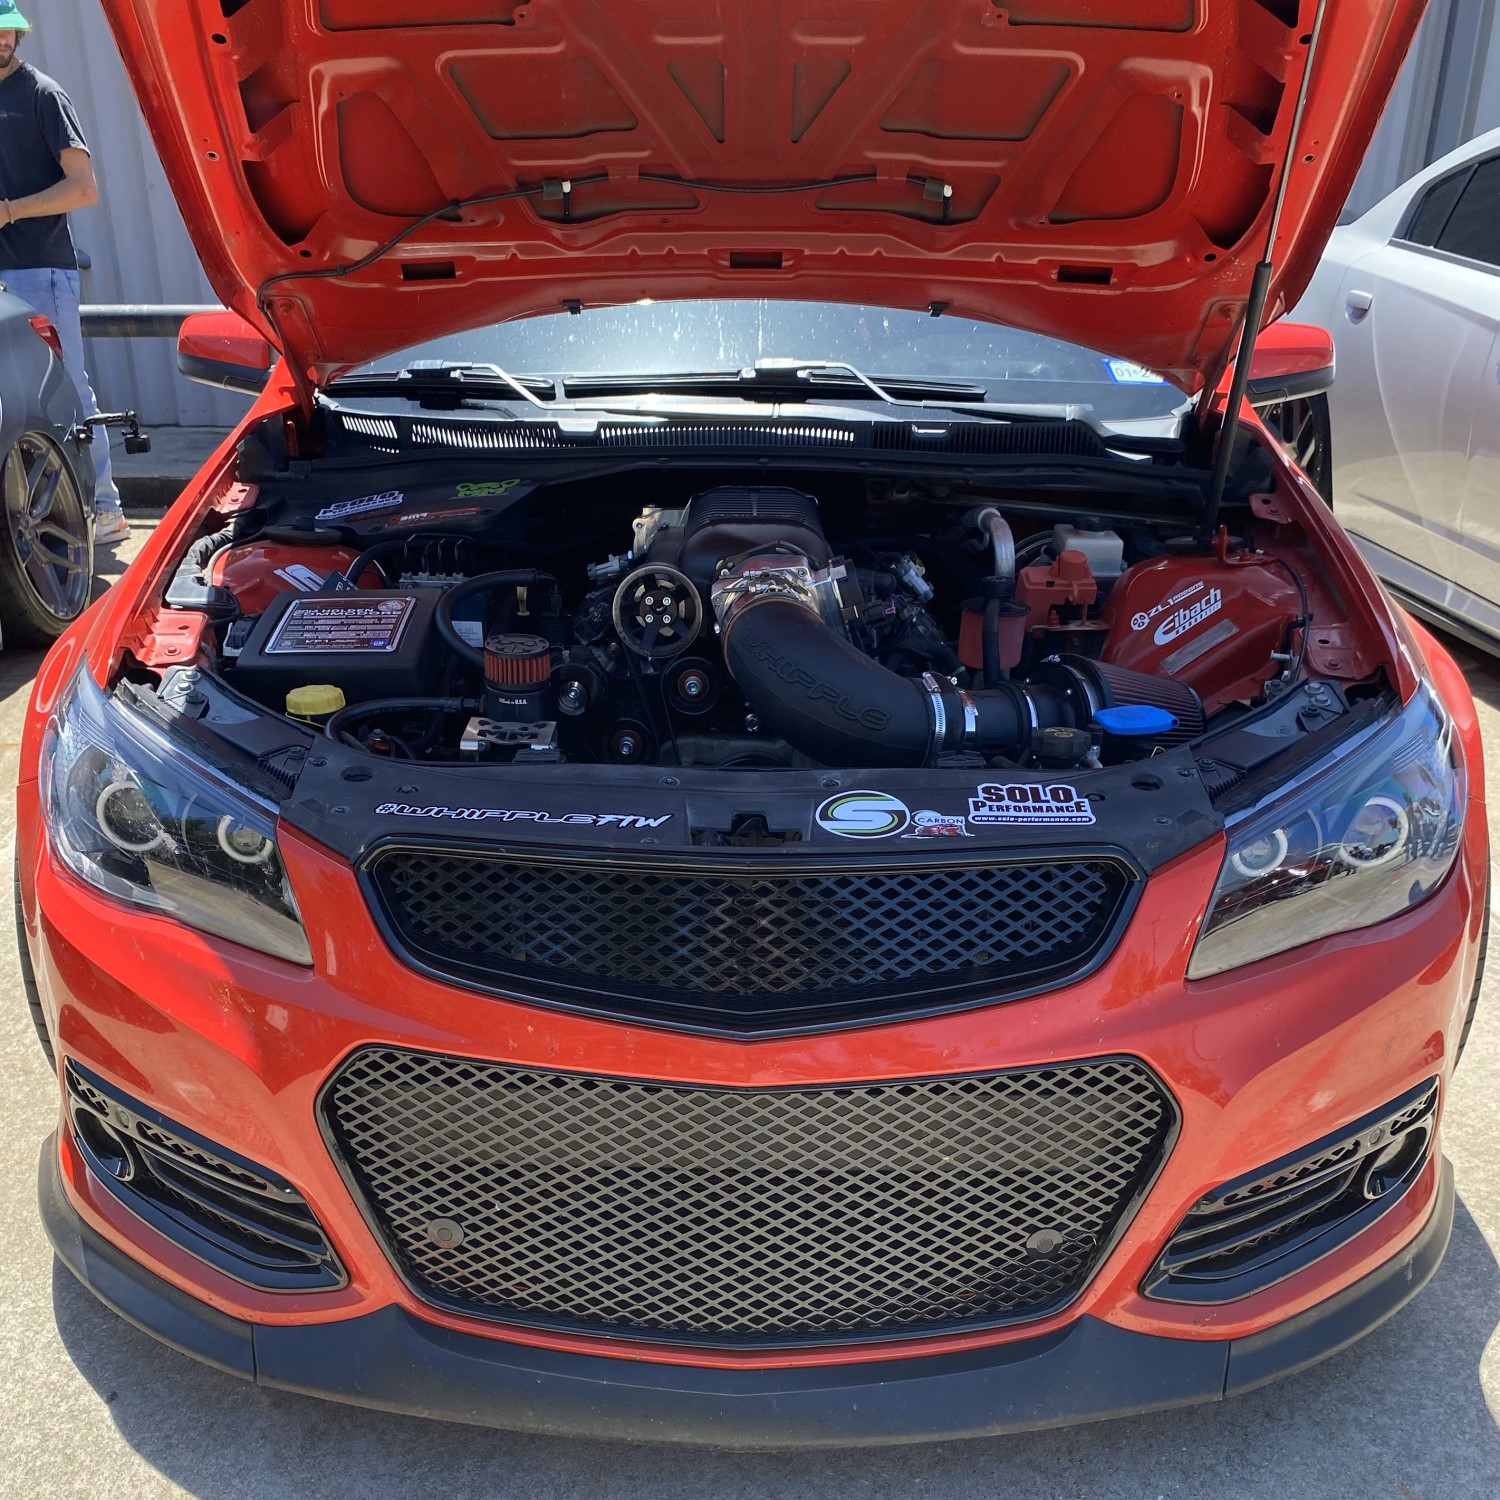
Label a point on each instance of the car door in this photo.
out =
(1413, 341)
(1468, 245)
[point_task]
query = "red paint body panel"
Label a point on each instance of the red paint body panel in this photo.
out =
(1291, 349)
(257, 572)
(1212, 625)
(1028, 164)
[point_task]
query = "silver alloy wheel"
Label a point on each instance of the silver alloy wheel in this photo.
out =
(47, 527)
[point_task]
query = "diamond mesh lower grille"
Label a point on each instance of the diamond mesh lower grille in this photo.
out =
(741, 1215)
(750, 949)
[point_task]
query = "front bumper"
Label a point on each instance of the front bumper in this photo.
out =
(396, 1362)
(1261, 1061)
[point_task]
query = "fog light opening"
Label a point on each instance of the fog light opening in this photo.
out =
(1395, 1166)
(107, 1149)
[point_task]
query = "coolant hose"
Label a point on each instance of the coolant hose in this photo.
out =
(483, 583)
(825, 697)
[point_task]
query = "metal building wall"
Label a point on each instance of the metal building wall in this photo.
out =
(1448, 92)
(135, 236)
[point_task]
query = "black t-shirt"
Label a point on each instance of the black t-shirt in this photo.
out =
(37, 124)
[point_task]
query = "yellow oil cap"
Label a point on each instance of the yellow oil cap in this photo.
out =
(314, 700)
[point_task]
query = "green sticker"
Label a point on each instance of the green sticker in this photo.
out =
(485, 487)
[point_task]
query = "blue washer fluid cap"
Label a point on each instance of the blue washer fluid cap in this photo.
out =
(1135, 720)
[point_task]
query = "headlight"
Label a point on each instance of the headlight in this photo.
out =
(1350, 847)
(129, 812)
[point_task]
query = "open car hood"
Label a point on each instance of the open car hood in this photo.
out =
(1102, 171)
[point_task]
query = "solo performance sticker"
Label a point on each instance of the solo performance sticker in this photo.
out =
(1029, 802)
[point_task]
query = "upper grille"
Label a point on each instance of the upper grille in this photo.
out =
(742, 1216)
(775, 946)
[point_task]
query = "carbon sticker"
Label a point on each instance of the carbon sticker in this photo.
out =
(1029, 802)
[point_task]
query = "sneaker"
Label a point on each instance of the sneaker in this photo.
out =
(110, 525)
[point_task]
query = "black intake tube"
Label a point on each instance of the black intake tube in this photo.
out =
(826, 698)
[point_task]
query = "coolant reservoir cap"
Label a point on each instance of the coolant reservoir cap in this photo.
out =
(1132, 719)
(314, 700)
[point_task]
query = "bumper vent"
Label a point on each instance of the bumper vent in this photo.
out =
(779, 946)
(1258, 1230)
(745, 1216)
(236, 1216)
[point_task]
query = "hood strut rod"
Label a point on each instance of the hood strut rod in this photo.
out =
(1255, 303)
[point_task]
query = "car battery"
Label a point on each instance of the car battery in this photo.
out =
(373, 643)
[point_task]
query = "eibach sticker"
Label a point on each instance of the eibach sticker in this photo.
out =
(1019, 802)
(1187, 611)
(928, 824)
(386, 500)
(1182, 620)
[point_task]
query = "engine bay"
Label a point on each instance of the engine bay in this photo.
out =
(808, 621)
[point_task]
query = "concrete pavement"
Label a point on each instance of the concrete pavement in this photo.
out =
(91, 1408)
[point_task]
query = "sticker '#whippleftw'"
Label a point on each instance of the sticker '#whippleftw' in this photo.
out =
(384, 501)
(1029, 802)
(518, 815)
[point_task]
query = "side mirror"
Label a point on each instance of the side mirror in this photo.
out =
(1291, 362)
(222, 349)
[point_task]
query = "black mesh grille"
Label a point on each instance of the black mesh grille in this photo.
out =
(750, 949)
(743, 1216)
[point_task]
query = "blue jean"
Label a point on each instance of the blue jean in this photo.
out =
(55, 294)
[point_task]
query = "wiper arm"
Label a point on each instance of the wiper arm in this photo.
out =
(811, 370)
(771, 379)
(440, 377)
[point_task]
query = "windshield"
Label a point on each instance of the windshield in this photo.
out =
(680, 338)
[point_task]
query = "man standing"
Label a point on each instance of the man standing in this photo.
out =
(45, 172)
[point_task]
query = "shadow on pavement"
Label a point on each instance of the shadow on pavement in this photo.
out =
(1402, 1414)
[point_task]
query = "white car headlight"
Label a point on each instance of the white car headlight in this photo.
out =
(129, 812)
(1345, 848)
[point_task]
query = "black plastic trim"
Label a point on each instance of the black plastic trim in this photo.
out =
(1271, 390)
(391, 1361)
(1304, 1232)
(197, 1207)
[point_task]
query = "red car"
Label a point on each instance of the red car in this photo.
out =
(706, 825)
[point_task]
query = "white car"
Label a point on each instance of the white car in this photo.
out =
(1411, 293)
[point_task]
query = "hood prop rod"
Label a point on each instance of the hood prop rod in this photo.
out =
(1255, 304)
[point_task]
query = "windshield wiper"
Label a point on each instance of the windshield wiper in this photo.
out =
(443, 382)
(431, 381)
(807, 380)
